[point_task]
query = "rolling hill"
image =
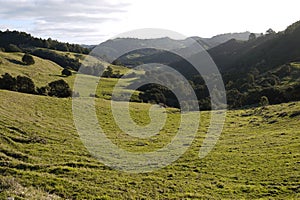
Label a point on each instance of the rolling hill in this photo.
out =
(261, 66)
(42, 72)
(41, 155)
(256, 157)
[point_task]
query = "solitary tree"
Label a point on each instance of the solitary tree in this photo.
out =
(66, 72)
(28, 59)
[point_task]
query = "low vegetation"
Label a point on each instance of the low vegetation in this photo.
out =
(257, 155)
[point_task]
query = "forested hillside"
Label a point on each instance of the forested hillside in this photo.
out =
(264, 67)
(14, 41)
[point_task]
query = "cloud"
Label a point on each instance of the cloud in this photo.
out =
(58, 18)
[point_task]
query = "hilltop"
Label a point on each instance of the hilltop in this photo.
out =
(12, 41)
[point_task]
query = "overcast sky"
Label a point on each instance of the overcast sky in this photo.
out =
(94, 21)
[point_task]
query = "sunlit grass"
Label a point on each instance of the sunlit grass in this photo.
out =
(257, 155)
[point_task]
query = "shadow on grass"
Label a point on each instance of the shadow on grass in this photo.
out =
(57, 75)
(15, 61)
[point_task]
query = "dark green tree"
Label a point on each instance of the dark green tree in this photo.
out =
(234, 98)
(59, 88)
(66, 72)
(108, 72)
(28, 59)
(8, 82)
(43, 90)
(25, 85)
(62, 47)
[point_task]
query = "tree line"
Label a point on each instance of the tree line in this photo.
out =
(12, 41)
(23, 84)
(250, 89)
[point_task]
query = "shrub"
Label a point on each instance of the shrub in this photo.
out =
(28, 59)
(25, 85)
(8, 82)
(43, 90)
(59, 88)
(108, 72)
(66, 72)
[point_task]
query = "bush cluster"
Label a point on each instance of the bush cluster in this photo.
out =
(24, 84)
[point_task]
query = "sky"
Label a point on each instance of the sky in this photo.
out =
(94, 21)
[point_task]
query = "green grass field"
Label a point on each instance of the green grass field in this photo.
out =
(90, 60)
(42, 72)
(45, 71)
(42, 156)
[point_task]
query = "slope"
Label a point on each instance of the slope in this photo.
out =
(42, 72)
(45, 71)
(257, 155)
(264, 53)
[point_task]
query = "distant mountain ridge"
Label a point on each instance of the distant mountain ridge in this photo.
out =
(111, 48)
(221, 38)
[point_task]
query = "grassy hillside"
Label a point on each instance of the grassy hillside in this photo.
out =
(45, 71)
(41, 155)
(42, 72)
(89, 60)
